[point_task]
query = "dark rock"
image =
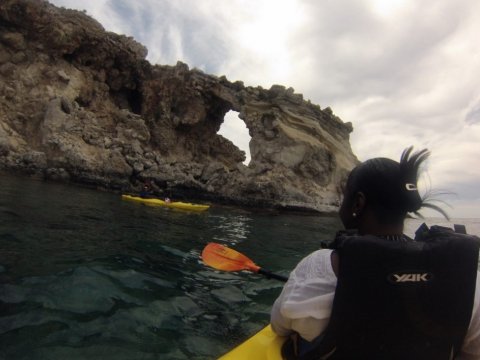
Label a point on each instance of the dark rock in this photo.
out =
(94, 111)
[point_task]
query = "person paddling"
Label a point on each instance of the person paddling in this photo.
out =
(378, 294)
(146, 191)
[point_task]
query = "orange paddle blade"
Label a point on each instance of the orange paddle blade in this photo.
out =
(223, 258)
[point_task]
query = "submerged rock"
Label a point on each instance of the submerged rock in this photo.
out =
(81, 104)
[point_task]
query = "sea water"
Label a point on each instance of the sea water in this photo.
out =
(85, 275)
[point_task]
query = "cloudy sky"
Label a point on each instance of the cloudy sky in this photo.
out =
(404, 72)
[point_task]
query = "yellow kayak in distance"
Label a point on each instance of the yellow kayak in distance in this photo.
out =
(172, 204)
(264, 345)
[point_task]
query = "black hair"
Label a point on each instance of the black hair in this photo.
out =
(390, 187)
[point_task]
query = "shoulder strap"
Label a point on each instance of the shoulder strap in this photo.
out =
(424, 231)
(460, 229)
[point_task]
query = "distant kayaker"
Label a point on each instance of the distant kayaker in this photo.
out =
(146, 191)
(424, 303)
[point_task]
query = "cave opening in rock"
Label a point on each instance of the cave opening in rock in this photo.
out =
(234, 129)
(134, 98)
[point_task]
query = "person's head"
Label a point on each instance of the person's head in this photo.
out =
(380, 192)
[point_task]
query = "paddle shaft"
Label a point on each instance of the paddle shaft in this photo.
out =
(269, 275)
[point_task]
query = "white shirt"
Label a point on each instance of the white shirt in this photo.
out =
(305, 304)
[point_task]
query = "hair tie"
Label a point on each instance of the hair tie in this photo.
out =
(411, 187)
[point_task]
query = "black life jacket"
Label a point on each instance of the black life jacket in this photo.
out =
(400, 300)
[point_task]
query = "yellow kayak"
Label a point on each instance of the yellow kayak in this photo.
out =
(173, 204)
(264, 345)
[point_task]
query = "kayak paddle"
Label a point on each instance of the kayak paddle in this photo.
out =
(223, 258)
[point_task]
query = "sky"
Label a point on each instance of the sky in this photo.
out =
(403, 72)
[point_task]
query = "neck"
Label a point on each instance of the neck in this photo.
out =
(377, 229)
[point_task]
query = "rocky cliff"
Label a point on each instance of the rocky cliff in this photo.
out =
(81, 104)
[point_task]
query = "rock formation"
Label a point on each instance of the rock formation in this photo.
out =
(81, 104)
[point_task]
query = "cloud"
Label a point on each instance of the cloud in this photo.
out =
(234, 128)
(473, 116)
(403, 72)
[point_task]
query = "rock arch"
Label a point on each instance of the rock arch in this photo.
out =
(98, 113)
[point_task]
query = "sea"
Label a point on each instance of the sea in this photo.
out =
(86, 275)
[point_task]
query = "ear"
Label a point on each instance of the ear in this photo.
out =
(359, 203)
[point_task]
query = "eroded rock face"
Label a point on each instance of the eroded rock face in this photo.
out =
(81, 104)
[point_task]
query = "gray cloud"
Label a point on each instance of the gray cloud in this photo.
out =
(172, 34)
(360, 55)
(473, 116)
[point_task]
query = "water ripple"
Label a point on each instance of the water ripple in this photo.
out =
(84, 274)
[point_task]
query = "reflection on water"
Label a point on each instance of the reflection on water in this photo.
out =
(85, 275)
(236, 228)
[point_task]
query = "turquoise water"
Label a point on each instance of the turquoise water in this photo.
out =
(85, 275)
